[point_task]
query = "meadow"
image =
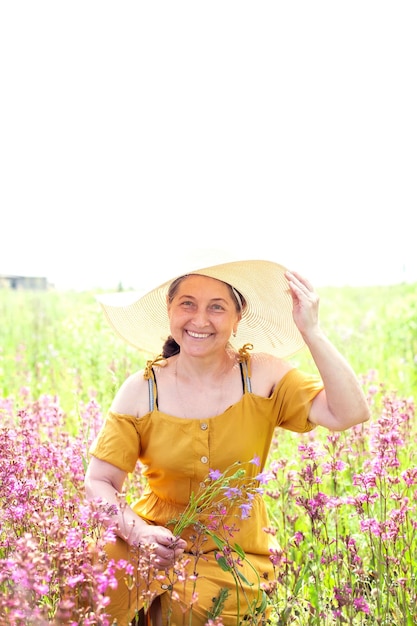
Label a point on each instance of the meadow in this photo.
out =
(342, 506)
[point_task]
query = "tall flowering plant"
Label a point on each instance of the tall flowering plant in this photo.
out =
(346, 521)
(51, 539)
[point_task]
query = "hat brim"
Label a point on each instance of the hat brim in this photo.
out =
(267, 322)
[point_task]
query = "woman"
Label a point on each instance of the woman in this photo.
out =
(206, 405)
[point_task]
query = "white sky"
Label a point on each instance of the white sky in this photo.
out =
(132, 132)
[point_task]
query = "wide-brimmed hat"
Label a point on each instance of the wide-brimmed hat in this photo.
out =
(267, 322)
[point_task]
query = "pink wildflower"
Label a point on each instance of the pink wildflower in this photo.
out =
(361, 605)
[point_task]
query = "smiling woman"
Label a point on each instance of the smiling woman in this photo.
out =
(203, 406)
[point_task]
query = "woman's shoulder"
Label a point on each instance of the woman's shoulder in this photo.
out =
(266, 371)
(132, 398)
(262, 361)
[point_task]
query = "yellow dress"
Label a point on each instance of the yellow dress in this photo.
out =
(178, 454)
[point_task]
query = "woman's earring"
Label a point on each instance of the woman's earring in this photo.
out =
(234, 334)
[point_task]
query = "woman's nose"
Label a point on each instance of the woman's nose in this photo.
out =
(200, 318)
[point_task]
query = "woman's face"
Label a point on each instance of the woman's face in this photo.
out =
(202, 315)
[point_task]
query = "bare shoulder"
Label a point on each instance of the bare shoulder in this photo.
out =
(266, 372)
(132, 397)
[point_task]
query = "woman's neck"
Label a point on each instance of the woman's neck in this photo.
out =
(212, 368)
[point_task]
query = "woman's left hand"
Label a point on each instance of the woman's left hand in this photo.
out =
(305, 303)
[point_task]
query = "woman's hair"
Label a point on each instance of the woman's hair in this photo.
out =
(170, 346)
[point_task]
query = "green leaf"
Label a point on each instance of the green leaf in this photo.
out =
(220, 543)
(262, 607)
(239, 551)
(223, 564)
(243, 577)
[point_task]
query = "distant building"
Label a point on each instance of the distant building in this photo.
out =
(38, 283)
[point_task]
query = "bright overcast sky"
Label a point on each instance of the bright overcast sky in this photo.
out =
(134, 132)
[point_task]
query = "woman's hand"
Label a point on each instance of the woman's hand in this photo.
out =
(305, 303)
(167, 548)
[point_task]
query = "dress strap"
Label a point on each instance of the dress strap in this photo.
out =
(149, 375)
(152, 391)
(148, 371)
(244, 362)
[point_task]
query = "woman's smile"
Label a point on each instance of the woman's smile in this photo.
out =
(198, 335)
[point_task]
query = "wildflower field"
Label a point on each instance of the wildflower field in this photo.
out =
(343, 507)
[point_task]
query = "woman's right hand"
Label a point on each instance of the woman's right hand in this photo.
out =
(167, 548)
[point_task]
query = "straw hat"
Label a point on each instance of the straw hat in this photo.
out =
(267, 321)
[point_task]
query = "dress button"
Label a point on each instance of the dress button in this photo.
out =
(204, 459)
(202, 484)
(204, 426)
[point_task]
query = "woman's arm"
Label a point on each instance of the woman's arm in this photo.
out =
(342, 403)
(105, 482)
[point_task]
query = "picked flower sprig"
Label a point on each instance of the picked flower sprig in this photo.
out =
(231, 486)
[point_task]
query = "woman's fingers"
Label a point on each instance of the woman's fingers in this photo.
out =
(299, 281)
(166, 547)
